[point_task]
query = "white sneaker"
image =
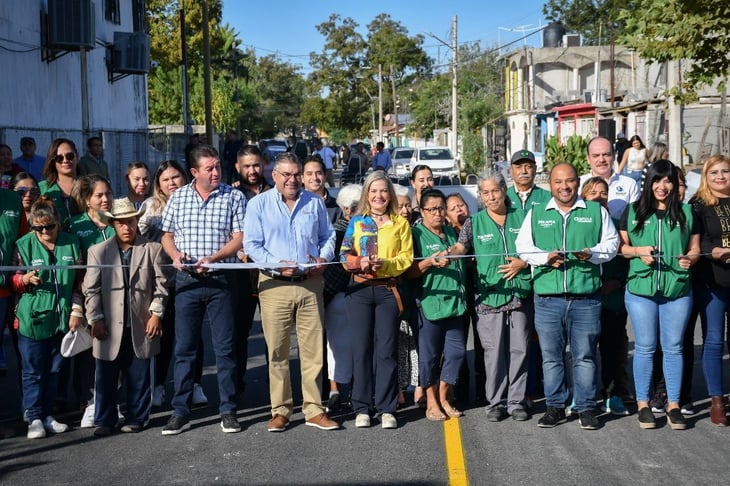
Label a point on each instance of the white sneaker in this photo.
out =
(362, 420)
(199, 397)
(87, 421)
(158, 395)
(52, 426)
(388, 421)
(36, 430)
(120, 417)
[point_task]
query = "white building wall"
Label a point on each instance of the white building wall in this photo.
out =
(44, 95)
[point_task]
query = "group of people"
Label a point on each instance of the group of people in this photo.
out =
(533, 274)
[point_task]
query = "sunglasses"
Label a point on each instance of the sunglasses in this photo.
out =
(47, 227)
(31, 190)
(70, 156)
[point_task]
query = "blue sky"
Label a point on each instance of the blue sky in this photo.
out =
(286, 27)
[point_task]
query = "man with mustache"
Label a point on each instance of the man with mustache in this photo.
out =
(524, 193)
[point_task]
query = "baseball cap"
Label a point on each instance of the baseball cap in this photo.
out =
(522, 155)
(27, 140)
(620, 135)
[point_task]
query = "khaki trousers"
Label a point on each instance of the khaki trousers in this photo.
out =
(283, 304)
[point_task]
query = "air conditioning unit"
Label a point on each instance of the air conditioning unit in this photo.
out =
(70, 25)
(131, 53)
(572, 40)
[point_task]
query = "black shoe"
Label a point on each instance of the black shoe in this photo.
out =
(229, 424)
(646, 419)
(588, 420)
(676, 419)
(520, 414)
(131, 429)
(175, 425)
(333, 403)
(553, 416)
(497, 414)
(102, 431)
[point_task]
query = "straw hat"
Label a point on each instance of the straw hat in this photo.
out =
(123, 209)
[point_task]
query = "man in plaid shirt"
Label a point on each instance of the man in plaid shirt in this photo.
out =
(203, 224)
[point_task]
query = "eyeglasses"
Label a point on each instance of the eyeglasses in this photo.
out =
(70, 156)
(33, 191)
(39, 228)
(289, 175)
(435, 209)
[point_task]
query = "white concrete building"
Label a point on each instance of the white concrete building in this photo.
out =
(64, 76)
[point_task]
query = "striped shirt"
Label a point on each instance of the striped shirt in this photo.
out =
(201, 228)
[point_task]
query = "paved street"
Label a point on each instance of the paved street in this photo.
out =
(414, 454)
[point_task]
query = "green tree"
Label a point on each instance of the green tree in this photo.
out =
(595, 20)
(346, 71)
(663, 30)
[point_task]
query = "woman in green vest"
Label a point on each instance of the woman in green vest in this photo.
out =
(60, 174)
(441, 306)
(92, 194)
(503, 297)
(662, 241)
(49, 304)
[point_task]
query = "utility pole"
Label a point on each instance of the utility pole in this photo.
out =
(206, 76)
(184, 75)
(395, 104)
(454, 101)
(454, 104)
(380, 102)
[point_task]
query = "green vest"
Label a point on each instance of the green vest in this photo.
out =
(488, 239)
(537, 195)
(88, 233)
(443, 293)
(582, 230)
(54, 192)
(44, 309)
(11, 210)
(665, 277)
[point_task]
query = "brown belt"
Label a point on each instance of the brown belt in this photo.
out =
(390, 283)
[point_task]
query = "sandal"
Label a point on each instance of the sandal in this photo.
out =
(435, 415)
(453, 412)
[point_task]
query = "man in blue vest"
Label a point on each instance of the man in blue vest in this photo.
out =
(565, 241)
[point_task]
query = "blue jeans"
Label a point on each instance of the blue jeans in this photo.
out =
(560, 321)
(653, 317)
(713, 303)
(445, 338)
(199, 297)
(41, 365)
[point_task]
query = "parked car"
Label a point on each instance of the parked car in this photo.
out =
(439, 159)
(275, 145)
(401, 157)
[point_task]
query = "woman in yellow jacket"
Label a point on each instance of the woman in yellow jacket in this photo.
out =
(377, 248)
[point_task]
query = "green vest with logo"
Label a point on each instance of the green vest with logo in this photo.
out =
(581, 229)
(43, 310)
(665, 277)
(11, 210)
(495, 243)
(537, 195)
(88, 233)
(443, 293)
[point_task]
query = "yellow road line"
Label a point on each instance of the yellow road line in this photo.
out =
(455, 460)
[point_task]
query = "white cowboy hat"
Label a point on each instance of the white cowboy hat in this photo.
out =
(122, 209)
